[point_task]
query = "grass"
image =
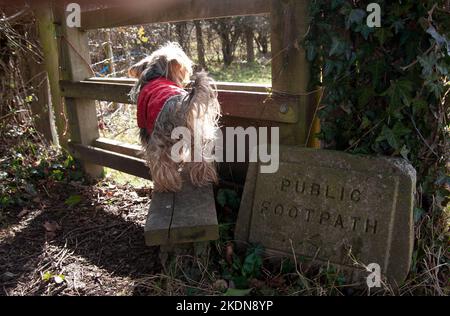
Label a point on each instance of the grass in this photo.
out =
(242, 72)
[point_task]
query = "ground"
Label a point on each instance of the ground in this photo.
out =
(97, 246)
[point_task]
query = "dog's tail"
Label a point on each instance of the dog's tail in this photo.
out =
(203, 114)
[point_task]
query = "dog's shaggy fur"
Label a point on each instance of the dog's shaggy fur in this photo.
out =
(198, 111)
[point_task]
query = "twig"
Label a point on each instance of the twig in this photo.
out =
(365, 134)
(11, 114)
(16, 15)
(416, 61)
(421, 137)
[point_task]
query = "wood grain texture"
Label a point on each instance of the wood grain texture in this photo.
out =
(146, 12)
(118, 147)
(159, 219)
(236, 103)
(110, 159)
(192, 215)
(75, 66)
(290, 69)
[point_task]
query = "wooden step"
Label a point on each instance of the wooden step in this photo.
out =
(183, 217)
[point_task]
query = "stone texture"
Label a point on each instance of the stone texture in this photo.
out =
(324, 205)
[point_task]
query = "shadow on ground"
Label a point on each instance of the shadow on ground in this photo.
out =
(98, 246)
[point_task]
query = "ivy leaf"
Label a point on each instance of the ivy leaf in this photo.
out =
(435, 87)
(73, 200)
(440, 39)
(329, 65)
(364, 30)
(443, 69)
(377, 70)
(399, 92)
(365, 122)
(427, 62)
(405, 152)
(252, 265)
(336, 3)
(388, 135)
(365, 95)
(383, 34)
(355, 16)
(227, 197)
(337, 47)
(398, 26)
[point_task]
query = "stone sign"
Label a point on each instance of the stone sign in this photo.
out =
(332, 207)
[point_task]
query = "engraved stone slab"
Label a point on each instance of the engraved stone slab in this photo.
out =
(324, 205)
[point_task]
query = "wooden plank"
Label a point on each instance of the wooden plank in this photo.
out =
(145, 12)
(43, 11)
(120, 162)
(118, 147)
(159, 218)
(290, 69)
(194, 216)
(244, 104)
(75, 66)
(182, 217)
(257, 106)
(113, 92)
(232, 86)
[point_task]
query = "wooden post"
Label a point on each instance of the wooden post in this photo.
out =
(290, 70)
(75, 65)
(34, 74)
(48, 39)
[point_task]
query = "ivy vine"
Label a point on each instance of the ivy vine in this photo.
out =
(386, 89)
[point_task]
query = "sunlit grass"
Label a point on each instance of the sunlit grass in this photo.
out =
(241, 72)
(124, 178)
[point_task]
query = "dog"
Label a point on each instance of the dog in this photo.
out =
(163, 105)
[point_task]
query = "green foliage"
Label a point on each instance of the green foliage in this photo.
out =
(26, 165)
(242, 270)
(227, 197)
(57, 278)
(386, 89)
(73, 200)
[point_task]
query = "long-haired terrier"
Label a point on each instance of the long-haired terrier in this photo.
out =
(163, 105)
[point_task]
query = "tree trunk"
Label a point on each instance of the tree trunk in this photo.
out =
(263, 44)
(249, 44)
(227, 52)
(229, 31)
(200, 45)
(181, 29)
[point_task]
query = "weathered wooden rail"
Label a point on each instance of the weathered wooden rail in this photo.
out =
(74, 93)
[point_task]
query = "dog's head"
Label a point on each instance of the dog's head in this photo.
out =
(170, 61)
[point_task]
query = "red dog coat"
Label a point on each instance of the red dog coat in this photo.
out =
(151, 100)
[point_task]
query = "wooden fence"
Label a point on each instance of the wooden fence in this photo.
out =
(285, 103)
